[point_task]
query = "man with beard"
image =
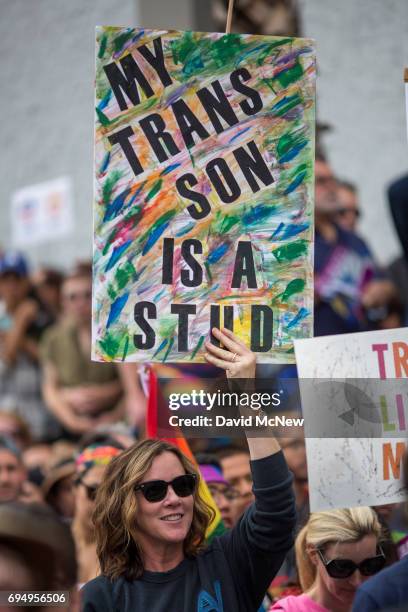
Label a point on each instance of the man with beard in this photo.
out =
(12, 471)
(236, 470)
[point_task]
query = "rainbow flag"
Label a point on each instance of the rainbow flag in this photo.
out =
(216, 527)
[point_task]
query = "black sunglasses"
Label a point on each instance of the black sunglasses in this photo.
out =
(156, 490)
(91, 490)
(344, 568)
(342, 212)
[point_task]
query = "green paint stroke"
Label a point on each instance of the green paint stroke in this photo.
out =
(102, 45)
(154, 190)
(269, 83)
(112, 293)
(198, 55)
(208, 270)
(286, 104)
(290, 75)
(125, 350)
(110, 344)
(291, 251)
(167, 327)
(197, 348)
(289, 141)
(103, 120)
(170, 346)
(122, 39)
(269, 48)
(225, 49)
(223, 224)
(109, 185)
(124, 274)
(182, 47)
(295, 286)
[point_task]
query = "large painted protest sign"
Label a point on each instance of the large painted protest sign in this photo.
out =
(204, 148)
(354, 387)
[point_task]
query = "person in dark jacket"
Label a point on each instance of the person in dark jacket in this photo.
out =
(151, 521)
(388, 590)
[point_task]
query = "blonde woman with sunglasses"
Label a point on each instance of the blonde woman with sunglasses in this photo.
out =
(336, 551)
(150, 525)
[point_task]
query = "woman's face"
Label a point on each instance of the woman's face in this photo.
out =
(167, 521)
(339, 592)
(85, 496)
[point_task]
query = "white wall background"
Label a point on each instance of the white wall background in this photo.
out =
(46, 102)
(362, 48)
(46, 105)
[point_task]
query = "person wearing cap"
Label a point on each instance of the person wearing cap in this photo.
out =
(222, 492)
(58, 488)
(22, 322)
(90, 465)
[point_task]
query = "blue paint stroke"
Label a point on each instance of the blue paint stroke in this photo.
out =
(238, 134)
(169, 169)
(116, 308)
(116, 206)
(295, 183)
(303, 312)
(218, 253)
(285, 100)
(105, 163)
(193, 63)
(292, 152)
(293, 230)
(277, 231)
(185, 229)
(140, 189)
(161, 347)
(257, 214)
(159, 295)
(117, 254)
(154, 236)
(105, 101)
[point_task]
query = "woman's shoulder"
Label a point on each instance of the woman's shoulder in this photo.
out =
(98, 590)
(297, 603)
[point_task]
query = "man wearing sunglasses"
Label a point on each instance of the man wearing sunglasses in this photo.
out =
(151, 523)
(347, 210)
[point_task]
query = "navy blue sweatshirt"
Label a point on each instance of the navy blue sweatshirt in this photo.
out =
(231, 575)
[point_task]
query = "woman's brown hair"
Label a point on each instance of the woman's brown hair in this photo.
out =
(116, 508)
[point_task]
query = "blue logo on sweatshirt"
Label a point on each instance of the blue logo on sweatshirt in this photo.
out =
(207, 603)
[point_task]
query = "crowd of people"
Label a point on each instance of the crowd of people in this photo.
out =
(87, 499)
